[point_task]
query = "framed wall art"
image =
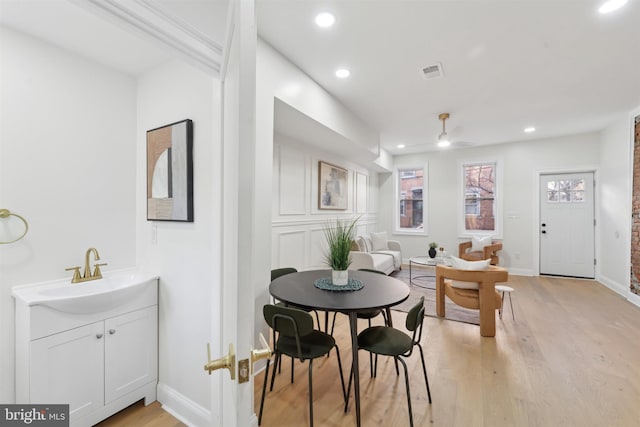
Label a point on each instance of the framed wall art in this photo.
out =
(332, 187)
(170, 172)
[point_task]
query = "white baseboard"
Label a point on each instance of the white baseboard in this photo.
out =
(521, 272)
(633, 299)
(182, 407)
(616, 287)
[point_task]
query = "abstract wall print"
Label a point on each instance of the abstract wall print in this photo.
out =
(170, 172)
(332, 187)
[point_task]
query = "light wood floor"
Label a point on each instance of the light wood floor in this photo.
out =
(571, 358)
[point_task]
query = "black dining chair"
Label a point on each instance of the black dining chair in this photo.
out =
(294, 336)
(278, 272)
(388, 341)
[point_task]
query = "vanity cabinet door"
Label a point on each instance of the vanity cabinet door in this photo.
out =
(131, 352)
(68, 367)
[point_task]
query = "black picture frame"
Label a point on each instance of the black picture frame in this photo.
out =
(170, 172)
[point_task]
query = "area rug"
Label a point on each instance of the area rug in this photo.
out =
(426, 286)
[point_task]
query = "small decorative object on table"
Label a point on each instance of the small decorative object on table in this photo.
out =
(339, 235)
(432, 249)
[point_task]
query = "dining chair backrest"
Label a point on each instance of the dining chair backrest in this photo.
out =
(288, 321)
(281, 272)
(415, 317)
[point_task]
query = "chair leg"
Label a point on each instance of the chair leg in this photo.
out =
(375, 370)
(370, 358)
(424, 369)
(264, 390)
(333, 323)
(511, 304)
(277, 362)
(310, 393)
(326, 322)
(501, 306)
(406, 382)
(292, 360)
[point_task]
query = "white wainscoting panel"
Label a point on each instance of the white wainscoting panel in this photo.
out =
(292, 183)
(317, 245)
(362, 193)
(297, 224)
(291, 249)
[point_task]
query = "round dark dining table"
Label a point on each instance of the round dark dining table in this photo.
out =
(378, 291)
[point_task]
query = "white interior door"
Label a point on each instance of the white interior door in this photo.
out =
(567, 226)
(239, 212)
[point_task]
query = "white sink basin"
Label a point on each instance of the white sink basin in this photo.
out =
(87, 297)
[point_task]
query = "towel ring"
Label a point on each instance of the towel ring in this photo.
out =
(6, 213)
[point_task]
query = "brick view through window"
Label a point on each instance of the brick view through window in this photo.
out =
(410, 199)
(479, 196)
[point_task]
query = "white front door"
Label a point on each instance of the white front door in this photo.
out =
(567, 226)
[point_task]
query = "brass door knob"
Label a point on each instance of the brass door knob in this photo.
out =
(225, 362)
(263, 353)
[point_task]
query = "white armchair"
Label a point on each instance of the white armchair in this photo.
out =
(376, 253)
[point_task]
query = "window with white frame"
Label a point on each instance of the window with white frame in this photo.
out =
(480, 190)
(410, 198)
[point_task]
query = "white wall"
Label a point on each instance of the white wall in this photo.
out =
(67, 164)
(279, 78)
(298, 238)
(185, 255)
(521, 161)
(614, 208)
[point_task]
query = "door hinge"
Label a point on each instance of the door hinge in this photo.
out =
(594, 261)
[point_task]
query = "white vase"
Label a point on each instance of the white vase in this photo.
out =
(340, 277)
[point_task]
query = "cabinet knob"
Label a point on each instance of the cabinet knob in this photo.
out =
(98, 336)
(112, 331)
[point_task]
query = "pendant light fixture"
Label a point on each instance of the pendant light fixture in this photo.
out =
(443, 139)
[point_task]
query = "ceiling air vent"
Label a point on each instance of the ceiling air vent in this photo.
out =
(432, 71)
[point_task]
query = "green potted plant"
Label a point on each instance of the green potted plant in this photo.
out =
(339, 235)
(432, 249)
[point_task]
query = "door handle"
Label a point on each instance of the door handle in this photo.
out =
(225, 362)
(263, 353)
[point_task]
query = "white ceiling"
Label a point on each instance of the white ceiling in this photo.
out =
(554, 64)
(77, 26)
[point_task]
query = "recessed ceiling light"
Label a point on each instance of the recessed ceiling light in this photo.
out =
(400, 145)
(325, 19)
(343, 73)
(530, 129)
(611, 5)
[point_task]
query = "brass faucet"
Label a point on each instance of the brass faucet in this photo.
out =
(87, 275)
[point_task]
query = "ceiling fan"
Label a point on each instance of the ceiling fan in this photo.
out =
(443, 139)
